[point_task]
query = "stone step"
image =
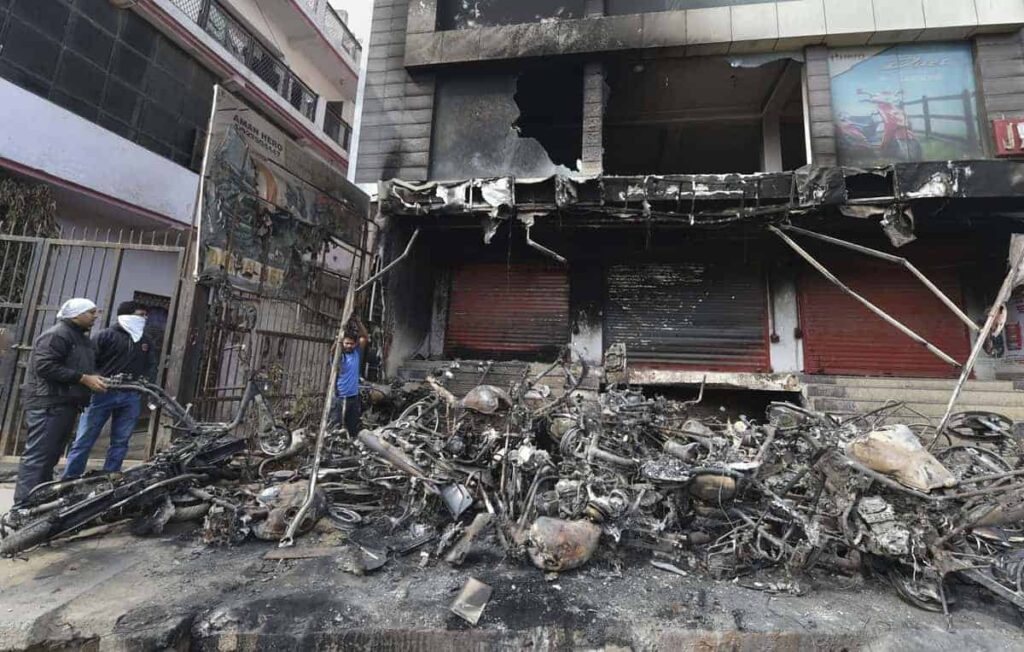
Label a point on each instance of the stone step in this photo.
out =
(931, 410)
(971, 395)
(910, 383)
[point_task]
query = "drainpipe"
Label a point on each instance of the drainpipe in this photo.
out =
(541, 248)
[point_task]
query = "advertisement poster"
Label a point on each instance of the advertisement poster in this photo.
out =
(909, 102)
(269, 208)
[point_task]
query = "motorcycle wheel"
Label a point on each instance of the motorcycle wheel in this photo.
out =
(31, 535)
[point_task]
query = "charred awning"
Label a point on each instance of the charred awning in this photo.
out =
(712, 199)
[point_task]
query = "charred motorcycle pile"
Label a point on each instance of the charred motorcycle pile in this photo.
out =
(561, 477)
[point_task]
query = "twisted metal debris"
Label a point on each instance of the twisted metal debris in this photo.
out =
(560, 479)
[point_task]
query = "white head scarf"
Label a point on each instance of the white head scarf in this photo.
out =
(134, 325)
(74, 307)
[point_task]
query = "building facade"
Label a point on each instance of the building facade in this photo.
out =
(627, 159)
(109, 101)
(108, 104)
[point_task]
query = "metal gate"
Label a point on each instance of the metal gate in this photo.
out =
(287, 343)
(842, 337)
(689, 315)
(37, 274)
(500, 309)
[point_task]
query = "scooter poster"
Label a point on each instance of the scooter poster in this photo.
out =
(908, 102)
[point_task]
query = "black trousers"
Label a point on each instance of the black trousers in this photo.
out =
(49, 431)
(353, 412)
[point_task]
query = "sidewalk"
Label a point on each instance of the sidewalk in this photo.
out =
(170, 592)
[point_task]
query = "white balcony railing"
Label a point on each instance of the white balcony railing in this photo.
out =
(333, 27)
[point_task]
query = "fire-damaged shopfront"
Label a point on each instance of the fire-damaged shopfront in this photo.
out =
(749, 281)
(738, 194)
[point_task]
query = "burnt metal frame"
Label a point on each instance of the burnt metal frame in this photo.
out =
(867, 304)
(42, 275)
(903, 262)
(993, 315)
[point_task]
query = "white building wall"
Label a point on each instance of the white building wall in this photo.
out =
(795, 23)
(39, 136)
(294, 121)
(308, 70)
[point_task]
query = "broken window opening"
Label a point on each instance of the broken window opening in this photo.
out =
(550, 105)
(503, 122)
(702, 115)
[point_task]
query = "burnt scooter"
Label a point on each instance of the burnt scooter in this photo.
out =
(885, 133)
(197, 455)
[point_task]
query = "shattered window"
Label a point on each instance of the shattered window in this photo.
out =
(657, 123)
(526, 123)
(467, 14)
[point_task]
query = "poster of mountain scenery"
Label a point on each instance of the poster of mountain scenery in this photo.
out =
(910, 102)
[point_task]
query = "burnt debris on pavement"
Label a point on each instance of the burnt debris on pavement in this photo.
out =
(559, 477)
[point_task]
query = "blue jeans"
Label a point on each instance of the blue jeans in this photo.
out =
(123, 409)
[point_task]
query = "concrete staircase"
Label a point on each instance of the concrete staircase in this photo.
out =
(846, 395)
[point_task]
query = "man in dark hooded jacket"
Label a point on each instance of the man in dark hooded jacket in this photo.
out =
(59, 381)
(124, 348)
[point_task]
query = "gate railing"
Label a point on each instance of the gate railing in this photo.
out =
(37, 274)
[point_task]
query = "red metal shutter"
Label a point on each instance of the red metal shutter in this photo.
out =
(689, 316)
(512, 309)
(843, 337)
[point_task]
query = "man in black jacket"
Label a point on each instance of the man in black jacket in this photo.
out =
(60, 379)
(121, 349)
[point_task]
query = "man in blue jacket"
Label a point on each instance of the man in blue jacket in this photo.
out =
(346, 395)
(124, 348)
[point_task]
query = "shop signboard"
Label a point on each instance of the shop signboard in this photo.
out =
(269, 207)
(908, 102)
(1009, 136)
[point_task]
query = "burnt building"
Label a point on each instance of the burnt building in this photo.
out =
(653, 177)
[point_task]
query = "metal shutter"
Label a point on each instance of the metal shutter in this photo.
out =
(843, 337)
(711, 317)
(512, 309)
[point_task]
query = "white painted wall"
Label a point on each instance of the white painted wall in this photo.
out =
(787, 355)
(249, 77)
(308, 70)
(36, 134)
(791, 24)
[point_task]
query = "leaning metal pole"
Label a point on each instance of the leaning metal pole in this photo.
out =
(986, 330)
(898, 260)
(867, 304)
(370, 281)
(289, 535)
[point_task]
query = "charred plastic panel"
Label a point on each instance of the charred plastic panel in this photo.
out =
(841, 336)
(689, 315)
(962, 179)
(501, 310)
(625, 7)
(467, 14)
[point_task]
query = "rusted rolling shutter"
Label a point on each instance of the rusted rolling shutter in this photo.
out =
(711, 317)
(507, 309)
(843, 337)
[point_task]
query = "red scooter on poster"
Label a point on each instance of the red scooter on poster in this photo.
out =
(886, 133)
